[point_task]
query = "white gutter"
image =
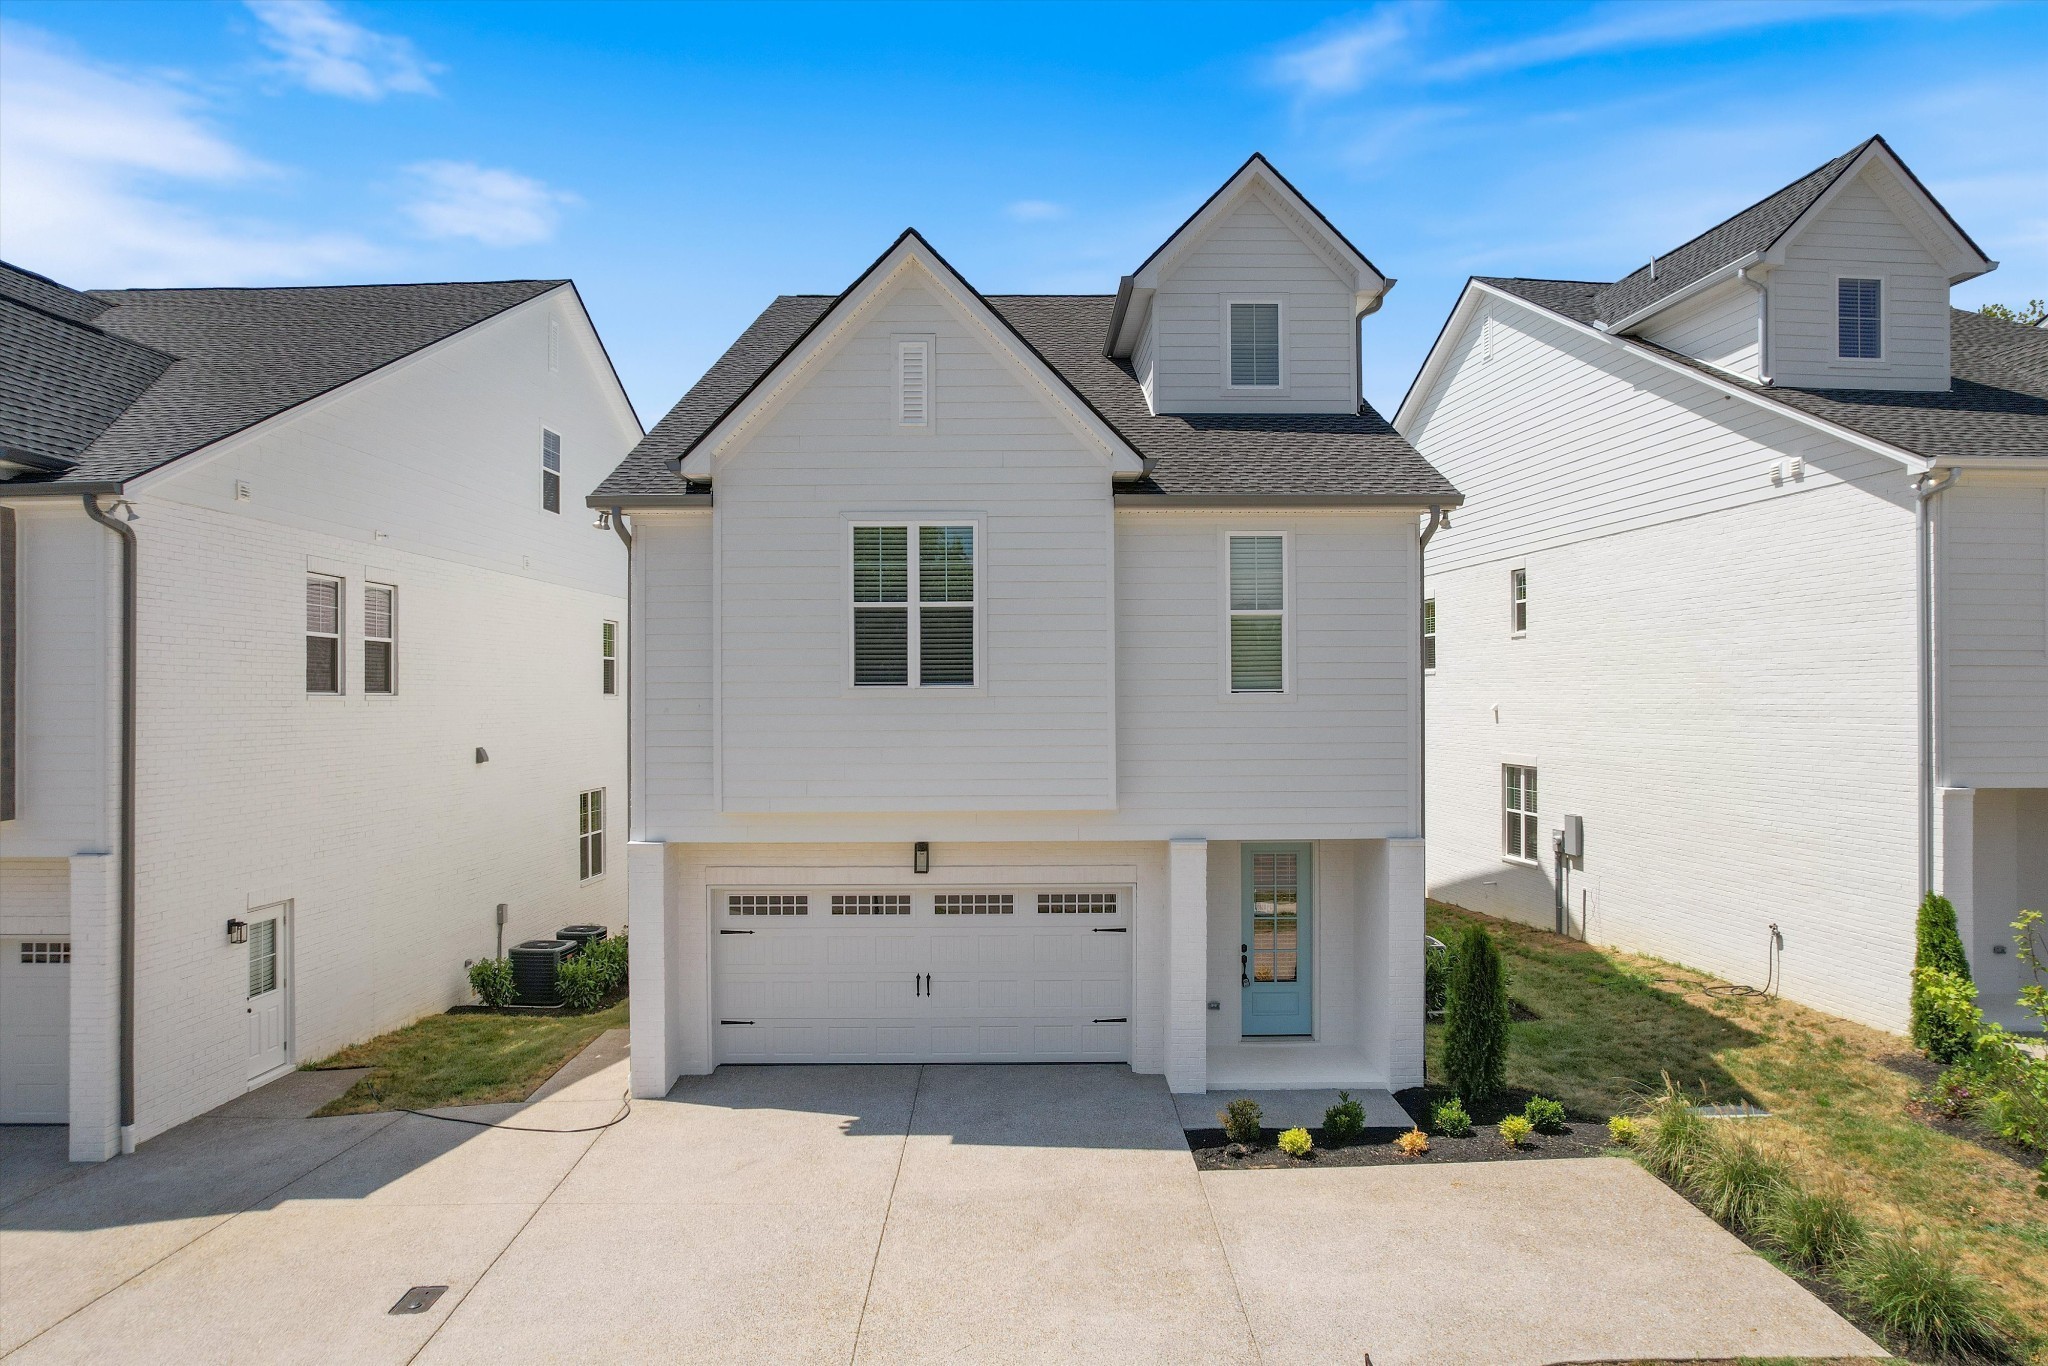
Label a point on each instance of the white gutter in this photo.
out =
(1733, 270)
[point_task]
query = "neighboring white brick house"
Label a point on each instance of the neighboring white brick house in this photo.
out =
(383, 449)
(1035, 678)
(1705, 480)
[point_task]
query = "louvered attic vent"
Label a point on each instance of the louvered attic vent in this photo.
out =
(913, 382)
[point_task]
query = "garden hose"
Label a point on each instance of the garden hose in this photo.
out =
(625, 1108)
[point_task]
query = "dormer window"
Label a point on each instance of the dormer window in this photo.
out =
(1859, 318)
(1254, 344)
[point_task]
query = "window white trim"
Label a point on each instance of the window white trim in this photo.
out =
(608, 658)
(550, 470)
(1520, 828)
(1279, 301)
(339, 652)
(913, 399)
(590, 835)
(1518, 601)
(1226, 677)
(389, 640)
(913, 602)
(1429, 635)
(1884, 320)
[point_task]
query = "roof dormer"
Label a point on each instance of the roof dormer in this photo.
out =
(1252, 305)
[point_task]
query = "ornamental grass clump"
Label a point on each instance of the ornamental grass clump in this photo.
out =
(1679, 1137)
(1449, 1117)
(1738, 1184)
(1917, 1294)
(1414, 1143)
(1817, 1230)
(1296, 1142)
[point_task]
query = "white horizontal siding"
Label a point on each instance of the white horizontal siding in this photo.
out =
(1993, 567)
(1718, 327)
(1859, 235)
(1253, 252)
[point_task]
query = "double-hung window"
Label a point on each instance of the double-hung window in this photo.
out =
(1258, 613)
(914, 629)
(380, 638)
(1254, 345)
(1429, 633)
(590, 834)
(550, 471)
(1518, 600)
(611, 658)
(1518, 806)
(323, 634)
(1859, 319)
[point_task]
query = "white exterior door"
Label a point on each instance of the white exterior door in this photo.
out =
(35, 1031)
(269, 991)
(1022, 974)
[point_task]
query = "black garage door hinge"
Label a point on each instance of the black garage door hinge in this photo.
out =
(1119, 1019)
(1111, 929)
(735, 931)
(745, 1022)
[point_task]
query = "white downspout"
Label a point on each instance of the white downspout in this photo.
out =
(1925, 488)
(1763, 324)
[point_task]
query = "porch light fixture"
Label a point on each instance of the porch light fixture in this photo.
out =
(238, 931)
(604, 520)
(921, 857)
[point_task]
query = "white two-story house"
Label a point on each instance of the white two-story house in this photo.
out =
(1035, 677)
(308, 662)
(1750, 604)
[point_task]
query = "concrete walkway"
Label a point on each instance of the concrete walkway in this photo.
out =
(884, 1214)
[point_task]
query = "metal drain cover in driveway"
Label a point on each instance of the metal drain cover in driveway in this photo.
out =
(419, 1299)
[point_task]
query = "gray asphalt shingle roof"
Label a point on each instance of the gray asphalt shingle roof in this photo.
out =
(1996, 404)
(1206, 454)
(227, 358)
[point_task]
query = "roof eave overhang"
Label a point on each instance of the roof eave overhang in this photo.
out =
(1195, 501)
(56, 488)
(1713, 280)
(632, 501)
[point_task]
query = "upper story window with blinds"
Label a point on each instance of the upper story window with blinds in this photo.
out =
(914, 629)
(1258, 613)
(380, 638)
(1429, 633)
(1859, 319)
(1254, 327)
(550, 471)
(610, 660)
(914, 381)
(323, 634)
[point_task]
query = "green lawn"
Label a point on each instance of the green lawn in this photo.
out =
(1611, 1024)
(464, 1059)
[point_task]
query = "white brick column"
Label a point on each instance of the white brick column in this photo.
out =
(95, 1007)
(1955, 863)
(1405, 874)
(651, 969)
(1187, 966)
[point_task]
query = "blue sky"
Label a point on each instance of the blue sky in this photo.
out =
(686, 163)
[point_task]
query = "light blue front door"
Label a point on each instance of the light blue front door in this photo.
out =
(1274, 954)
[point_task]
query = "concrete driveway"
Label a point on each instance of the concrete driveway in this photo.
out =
(887, 1214)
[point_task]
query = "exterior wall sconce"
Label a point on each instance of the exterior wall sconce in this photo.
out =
(604, 520)
(482, 755)
(238, 931)
(921, 857)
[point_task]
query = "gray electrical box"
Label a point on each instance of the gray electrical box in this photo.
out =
(1574, 836)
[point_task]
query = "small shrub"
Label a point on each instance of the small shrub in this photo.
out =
(1918, 1294)
(607, 958)
(1545, 1116)
(1414, 1143)
(1946, 1020)
(491, 980)
(2004, 1087)
(1449, 1117)
(1954, 1095)
(1343, 1121)
(1816, 1229)
(1624, 1131)
(1679, 1138)
(1240, 1120)
(1476, 1018)
(1936, 945)
(580, 984)
(1515, 1130)
(1296, 1142)
(1738, 1184)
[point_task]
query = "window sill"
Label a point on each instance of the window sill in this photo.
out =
(1521, 862)
(590, 881)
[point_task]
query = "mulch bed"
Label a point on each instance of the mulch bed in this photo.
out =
(1213, 1152)
(1927, 1072)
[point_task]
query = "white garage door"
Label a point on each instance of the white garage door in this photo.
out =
(1024, 974)
(35, 1031)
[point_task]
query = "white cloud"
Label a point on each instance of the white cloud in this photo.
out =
(323, 51)
(496, 208)
(1035, 210)
(91, 157)
(1342, 59)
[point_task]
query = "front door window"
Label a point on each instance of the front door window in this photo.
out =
(1275, 951)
